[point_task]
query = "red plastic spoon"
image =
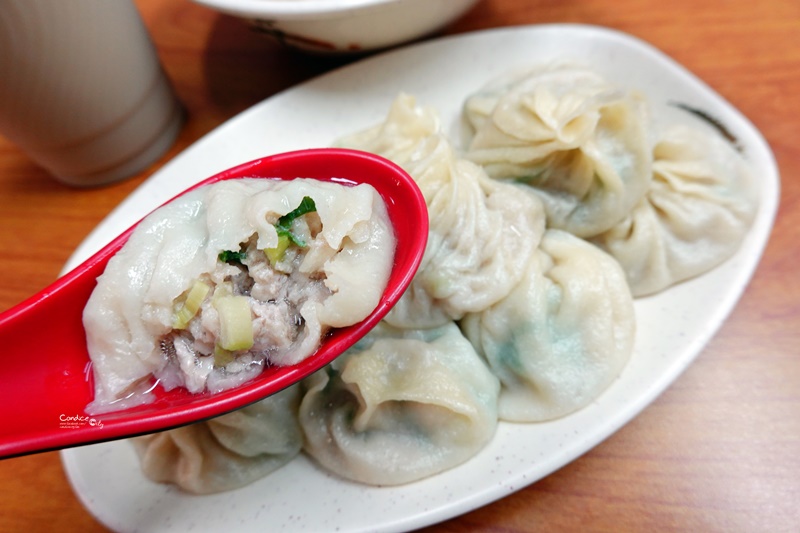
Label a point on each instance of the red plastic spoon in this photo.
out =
(45, 371)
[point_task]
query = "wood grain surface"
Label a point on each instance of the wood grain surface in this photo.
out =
(718, 451)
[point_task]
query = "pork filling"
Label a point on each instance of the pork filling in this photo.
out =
(248, 311)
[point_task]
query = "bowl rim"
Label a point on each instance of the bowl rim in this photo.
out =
(293, 9)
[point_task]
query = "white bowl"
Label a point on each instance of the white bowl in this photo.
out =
(344, 26)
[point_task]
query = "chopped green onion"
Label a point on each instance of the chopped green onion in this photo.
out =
(235, 322)
(191, 305)
(222, 357)
(276, 254)
(284, 225)
(229, 256)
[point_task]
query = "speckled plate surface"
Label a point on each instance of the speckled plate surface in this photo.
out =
(673, 326)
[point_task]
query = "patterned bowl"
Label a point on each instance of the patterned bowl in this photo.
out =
(344, 26)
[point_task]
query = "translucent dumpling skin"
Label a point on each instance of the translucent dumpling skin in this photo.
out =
(562, 336)
(698, 209)
(231, 277)
(482, 231)
(578, 140)
(226, 452)
(400, 406)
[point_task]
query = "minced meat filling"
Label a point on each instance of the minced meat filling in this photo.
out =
(275, 295)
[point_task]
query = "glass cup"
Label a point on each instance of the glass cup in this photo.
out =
(82, 91)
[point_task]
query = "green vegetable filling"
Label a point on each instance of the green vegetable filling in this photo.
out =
(284, 225)
(229, 256)
(284, 228)
(191, 305)
(276, 254)
(236, 323)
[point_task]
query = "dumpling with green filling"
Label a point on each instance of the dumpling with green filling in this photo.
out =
(579, 141)
(700, 205)
(400, 406)
(226, 452)
(482, 232)
(562, 336)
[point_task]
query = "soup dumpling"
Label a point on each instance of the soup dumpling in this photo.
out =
(400, 406)
(701, 203)
(580, 142)
(563, 334)
(226, 452)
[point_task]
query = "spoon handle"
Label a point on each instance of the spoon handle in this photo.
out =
(45, 364)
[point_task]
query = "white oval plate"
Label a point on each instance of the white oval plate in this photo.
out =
(673, 326)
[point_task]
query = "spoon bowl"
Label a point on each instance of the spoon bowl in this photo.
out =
(46, 372)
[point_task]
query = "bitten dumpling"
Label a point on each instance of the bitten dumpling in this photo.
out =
(400, 406)
(232, 276)
(579, 141)
(226, 452)
(700, 205)
(562, 336)
(482, 232)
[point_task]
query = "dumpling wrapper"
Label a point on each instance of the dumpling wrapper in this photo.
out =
(482, 232)
(227, 452)
(132, 307)
(562, 336)
(700, 205)
(400, 406)
(580, 142)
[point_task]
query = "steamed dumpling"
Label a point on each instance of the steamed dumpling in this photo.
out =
(270, 304)
(563, 334)
(400, 406)
(699, 207)
(399, 135)
(226, 452)
(482, 232)
(578, 140)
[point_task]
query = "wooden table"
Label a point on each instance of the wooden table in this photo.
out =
(718, 451)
